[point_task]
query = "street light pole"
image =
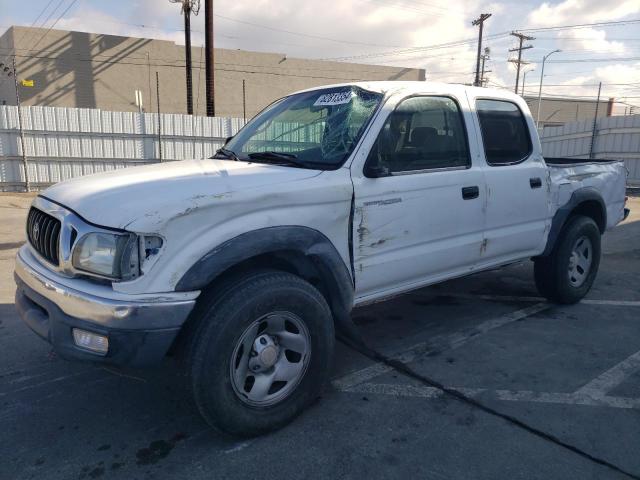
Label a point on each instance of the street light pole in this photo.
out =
(524, 76)
(544, 59)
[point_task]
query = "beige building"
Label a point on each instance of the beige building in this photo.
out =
(555, 111)
(77, 69)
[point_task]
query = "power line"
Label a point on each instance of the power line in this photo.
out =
(580, 39)
(581, 25)
(24, 34)
(491, 37)
(308, 35)
(173, 65)
(73, 2)
(422, 49)
(437, 7)
(198, 64)
(409, 8)
(596, 60)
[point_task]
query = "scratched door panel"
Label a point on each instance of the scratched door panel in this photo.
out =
(517, 214)
(413, 229)
(517, 181)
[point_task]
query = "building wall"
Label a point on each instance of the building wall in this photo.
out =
(7, 86)
(558, 111)
(76, 69)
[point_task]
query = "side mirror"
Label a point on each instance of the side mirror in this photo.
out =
(228, 139)
(377, 171)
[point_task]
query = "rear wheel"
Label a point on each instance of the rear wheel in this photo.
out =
(568, 273)
(261, 353)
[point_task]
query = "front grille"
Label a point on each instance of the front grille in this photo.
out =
(43, 232)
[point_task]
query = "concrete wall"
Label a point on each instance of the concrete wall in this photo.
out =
(7, 86)
(558, 111)
(76, 69)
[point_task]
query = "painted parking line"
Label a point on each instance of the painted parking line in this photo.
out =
(438, 343)
(418, 391)
(47, 383)
(516, 298)
(600, 386)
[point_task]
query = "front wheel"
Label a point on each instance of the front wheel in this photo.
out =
(568, 273)
(261, 354)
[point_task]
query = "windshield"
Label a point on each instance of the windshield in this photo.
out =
(316, 129)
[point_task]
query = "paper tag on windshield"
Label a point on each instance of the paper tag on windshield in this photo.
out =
(338, 98)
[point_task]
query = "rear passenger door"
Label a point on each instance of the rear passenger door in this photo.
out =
(517, 182)
(418, 214)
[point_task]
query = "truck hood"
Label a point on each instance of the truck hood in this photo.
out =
(117, 198)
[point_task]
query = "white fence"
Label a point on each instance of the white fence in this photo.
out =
(616, 138)
(62, 143)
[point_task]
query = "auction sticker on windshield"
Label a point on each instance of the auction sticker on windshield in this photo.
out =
(337, 98)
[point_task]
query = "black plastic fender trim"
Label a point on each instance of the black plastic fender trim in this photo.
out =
(305, 240)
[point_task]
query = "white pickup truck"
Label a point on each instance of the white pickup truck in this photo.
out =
(245, 264)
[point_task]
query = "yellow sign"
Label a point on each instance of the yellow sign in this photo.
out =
(27, 83)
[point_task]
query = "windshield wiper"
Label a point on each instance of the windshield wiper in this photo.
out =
(279, 158)
(227, 154)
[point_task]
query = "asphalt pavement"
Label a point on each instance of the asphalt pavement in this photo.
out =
(476, 378)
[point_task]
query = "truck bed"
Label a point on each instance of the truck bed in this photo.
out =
(608, 177)
(560, 161)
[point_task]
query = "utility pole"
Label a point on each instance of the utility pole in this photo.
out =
(188, 7)
(480, 22)
(244, 101)
(595, 123)
(208, 37)
(159, 117)
(27, 187)
(521, 37)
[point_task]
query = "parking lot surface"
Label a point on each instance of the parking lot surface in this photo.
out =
(486, 381)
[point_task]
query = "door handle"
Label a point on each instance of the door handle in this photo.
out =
(535, 182)
(469, 193)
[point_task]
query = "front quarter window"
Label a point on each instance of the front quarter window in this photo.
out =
(319, 128)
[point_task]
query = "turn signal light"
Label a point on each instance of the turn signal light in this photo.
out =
(91, 341)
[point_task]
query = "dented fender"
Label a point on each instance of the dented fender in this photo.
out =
(304, 240)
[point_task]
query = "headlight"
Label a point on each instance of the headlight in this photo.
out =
(112, 255)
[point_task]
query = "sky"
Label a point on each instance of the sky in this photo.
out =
(436, 35)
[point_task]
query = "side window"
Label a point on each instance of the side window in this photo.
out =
(421, 133)
(504, 132)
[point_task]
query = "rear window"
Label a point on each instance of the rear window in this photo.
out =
(504, 132)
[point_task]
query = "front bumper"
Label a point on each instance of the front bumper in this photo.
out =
(140, 328)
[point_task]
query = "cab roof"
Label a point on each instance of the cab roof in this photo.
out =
(388, 88)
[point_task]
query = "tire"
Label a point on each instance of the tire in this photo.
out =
(292, 320)
(568, 273)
